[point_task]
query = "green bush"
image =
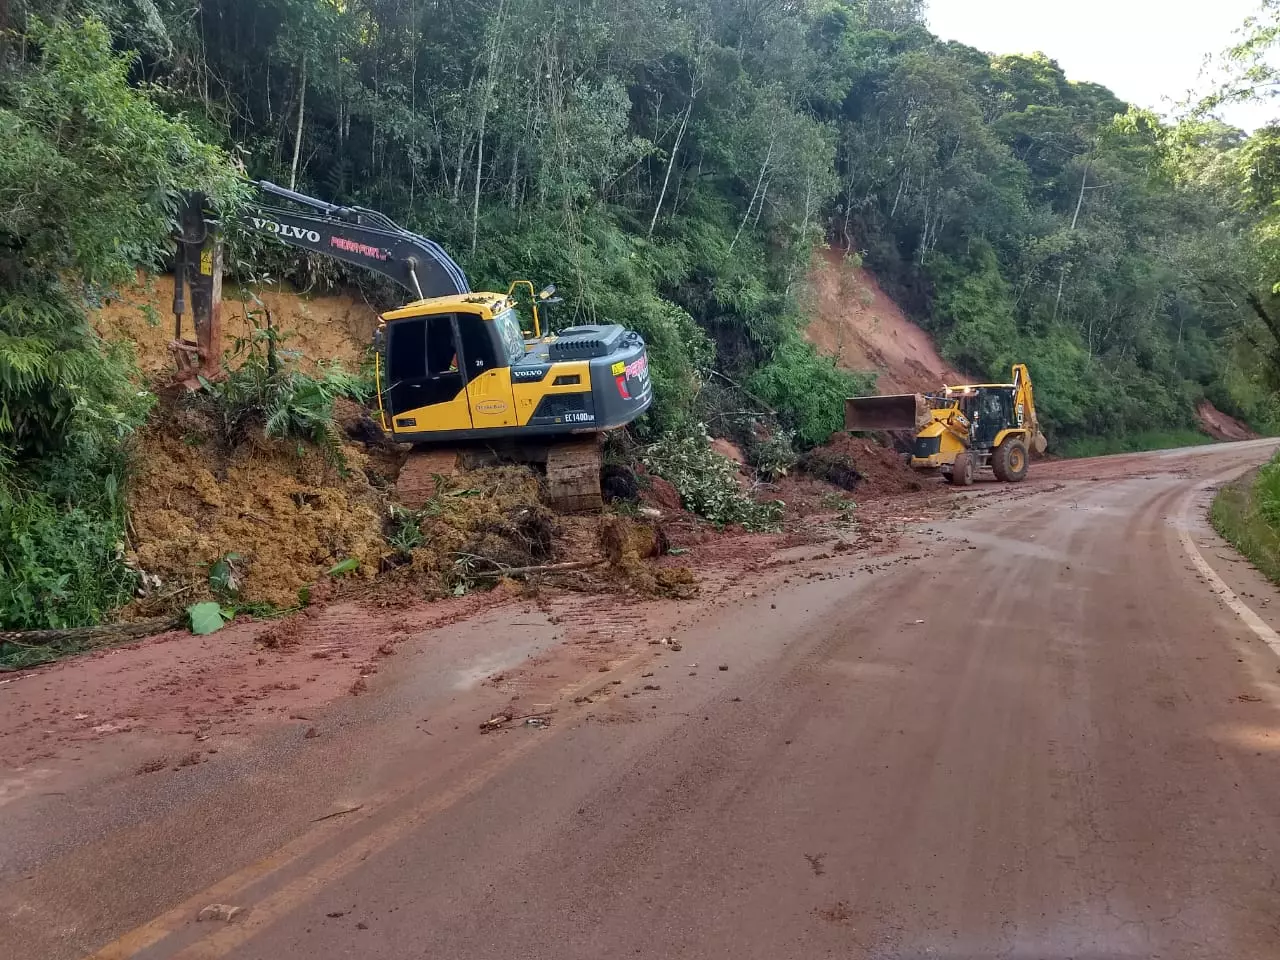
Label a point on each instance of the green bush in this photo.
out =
(90, 173)
(266, 391)
(1246, 512)
(707, 482)
(807, 389)
(59, 560)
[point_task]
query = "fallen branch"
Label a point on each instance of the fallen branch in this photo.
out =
(744, 391)
(544, 568)
(339, 813)
(497, 721)
(49, 638)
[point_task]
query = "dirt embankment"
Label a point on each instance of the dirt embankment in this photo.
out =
(1219, 425)
(282, 512)
(329, 327)
(856, 322)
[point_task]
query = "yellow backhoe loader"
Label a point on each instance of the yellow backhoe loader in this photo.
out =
(963, 429)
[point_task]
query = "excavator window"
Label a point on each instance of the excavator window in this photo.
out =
(423, 363)
(507, 324)
(407, 351)
(442, 348)
(477, 345)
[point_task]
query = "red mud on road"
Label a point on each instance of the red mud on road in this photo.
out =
(177, 692)
(245, 675)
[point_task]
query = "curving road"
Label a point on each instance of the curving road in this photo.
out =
(1050, 730)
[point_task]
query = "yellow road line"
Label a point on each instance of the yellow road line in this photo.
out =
(222, 940)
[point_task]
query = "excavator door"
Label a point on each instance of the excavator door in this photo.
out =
(485, 356)
(426, 385)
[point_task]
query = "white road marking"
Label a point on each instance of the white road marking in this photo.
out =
(1224, 592)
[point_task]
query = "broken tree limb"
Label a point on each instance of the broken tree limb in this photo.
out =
(543, 568)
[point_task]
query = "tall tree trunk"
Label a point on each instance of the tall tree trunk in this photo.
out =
(297, 133)
(671, 162)
(1075, 218)
(755, 195)
(490, 80)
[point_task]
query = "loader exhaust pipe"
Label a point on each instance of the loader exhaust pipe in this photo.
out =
(907, 411)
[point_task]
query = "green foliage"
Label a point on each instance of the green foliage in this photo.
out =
(1132, 443)
(207, 617)
(58, 382)
(1246, 512)
(61, 544)
(707, 482)
(90, 169)
(343, 567)
(774, 455)
(404, 528)
(807, 388)
(265, 390)
(974, 304)
(225, 577)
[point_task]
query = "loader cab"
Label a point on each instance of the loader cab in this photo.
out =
(992, 413)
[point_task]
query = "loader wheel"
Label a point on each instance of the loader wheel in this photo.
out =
(1010, 460)
(962, 470)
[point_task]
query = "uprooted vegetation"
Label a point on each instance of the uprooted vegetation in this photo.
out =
(708, 482)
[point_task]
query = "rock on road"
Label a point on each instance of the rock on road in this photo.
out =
(1044, 734)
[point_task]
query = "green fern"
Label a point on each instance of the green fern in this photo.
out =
(267, 391)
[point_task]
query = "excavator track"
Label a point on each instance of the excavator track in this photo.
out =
(573, 471)
(418, 479)
(573, 475)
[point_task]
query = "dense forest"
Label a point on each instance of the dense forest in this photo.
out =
(670, 165)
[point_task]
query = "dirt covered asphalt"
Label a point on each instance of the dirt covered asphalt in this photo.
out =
(1040, 722)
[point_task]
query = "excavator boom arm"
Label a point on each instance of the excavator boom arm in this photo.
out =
(364, 238)
(355, 235)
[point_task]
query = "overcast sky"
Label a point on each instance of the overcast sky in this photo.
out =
(1149, 52)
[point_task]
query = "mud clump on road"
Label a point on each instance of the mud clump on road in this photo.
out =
(622, 540)
(480, 521)
(626, 544)
(284, 511)
(851, 463)
(656, 491)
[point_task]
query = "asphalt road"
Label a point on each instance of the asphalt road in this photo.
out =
(1051, 730)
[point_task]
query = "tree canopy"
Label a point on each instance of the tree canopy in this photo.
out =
(673, 166)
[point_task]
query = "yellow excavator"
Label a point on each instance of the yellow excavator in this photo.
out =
(961, 430)
(457, 374)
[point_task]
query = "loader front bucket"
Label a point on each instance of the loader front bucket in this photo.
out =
(907, 411)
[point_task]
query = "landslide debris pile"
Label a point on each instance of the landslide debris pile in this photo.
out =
(852, 463)
(281, 515)
(283, 510)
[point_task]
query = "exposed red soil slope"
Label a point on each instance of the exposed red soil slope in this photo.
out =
(1219, 425)
(856, 322)
(329, 327)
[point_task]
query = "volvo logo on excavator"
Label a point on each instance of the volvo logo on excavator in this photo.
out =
(286, 230)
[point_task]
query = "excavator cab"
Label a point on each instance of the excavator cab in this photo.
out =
(459, 368)
(442, 366)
